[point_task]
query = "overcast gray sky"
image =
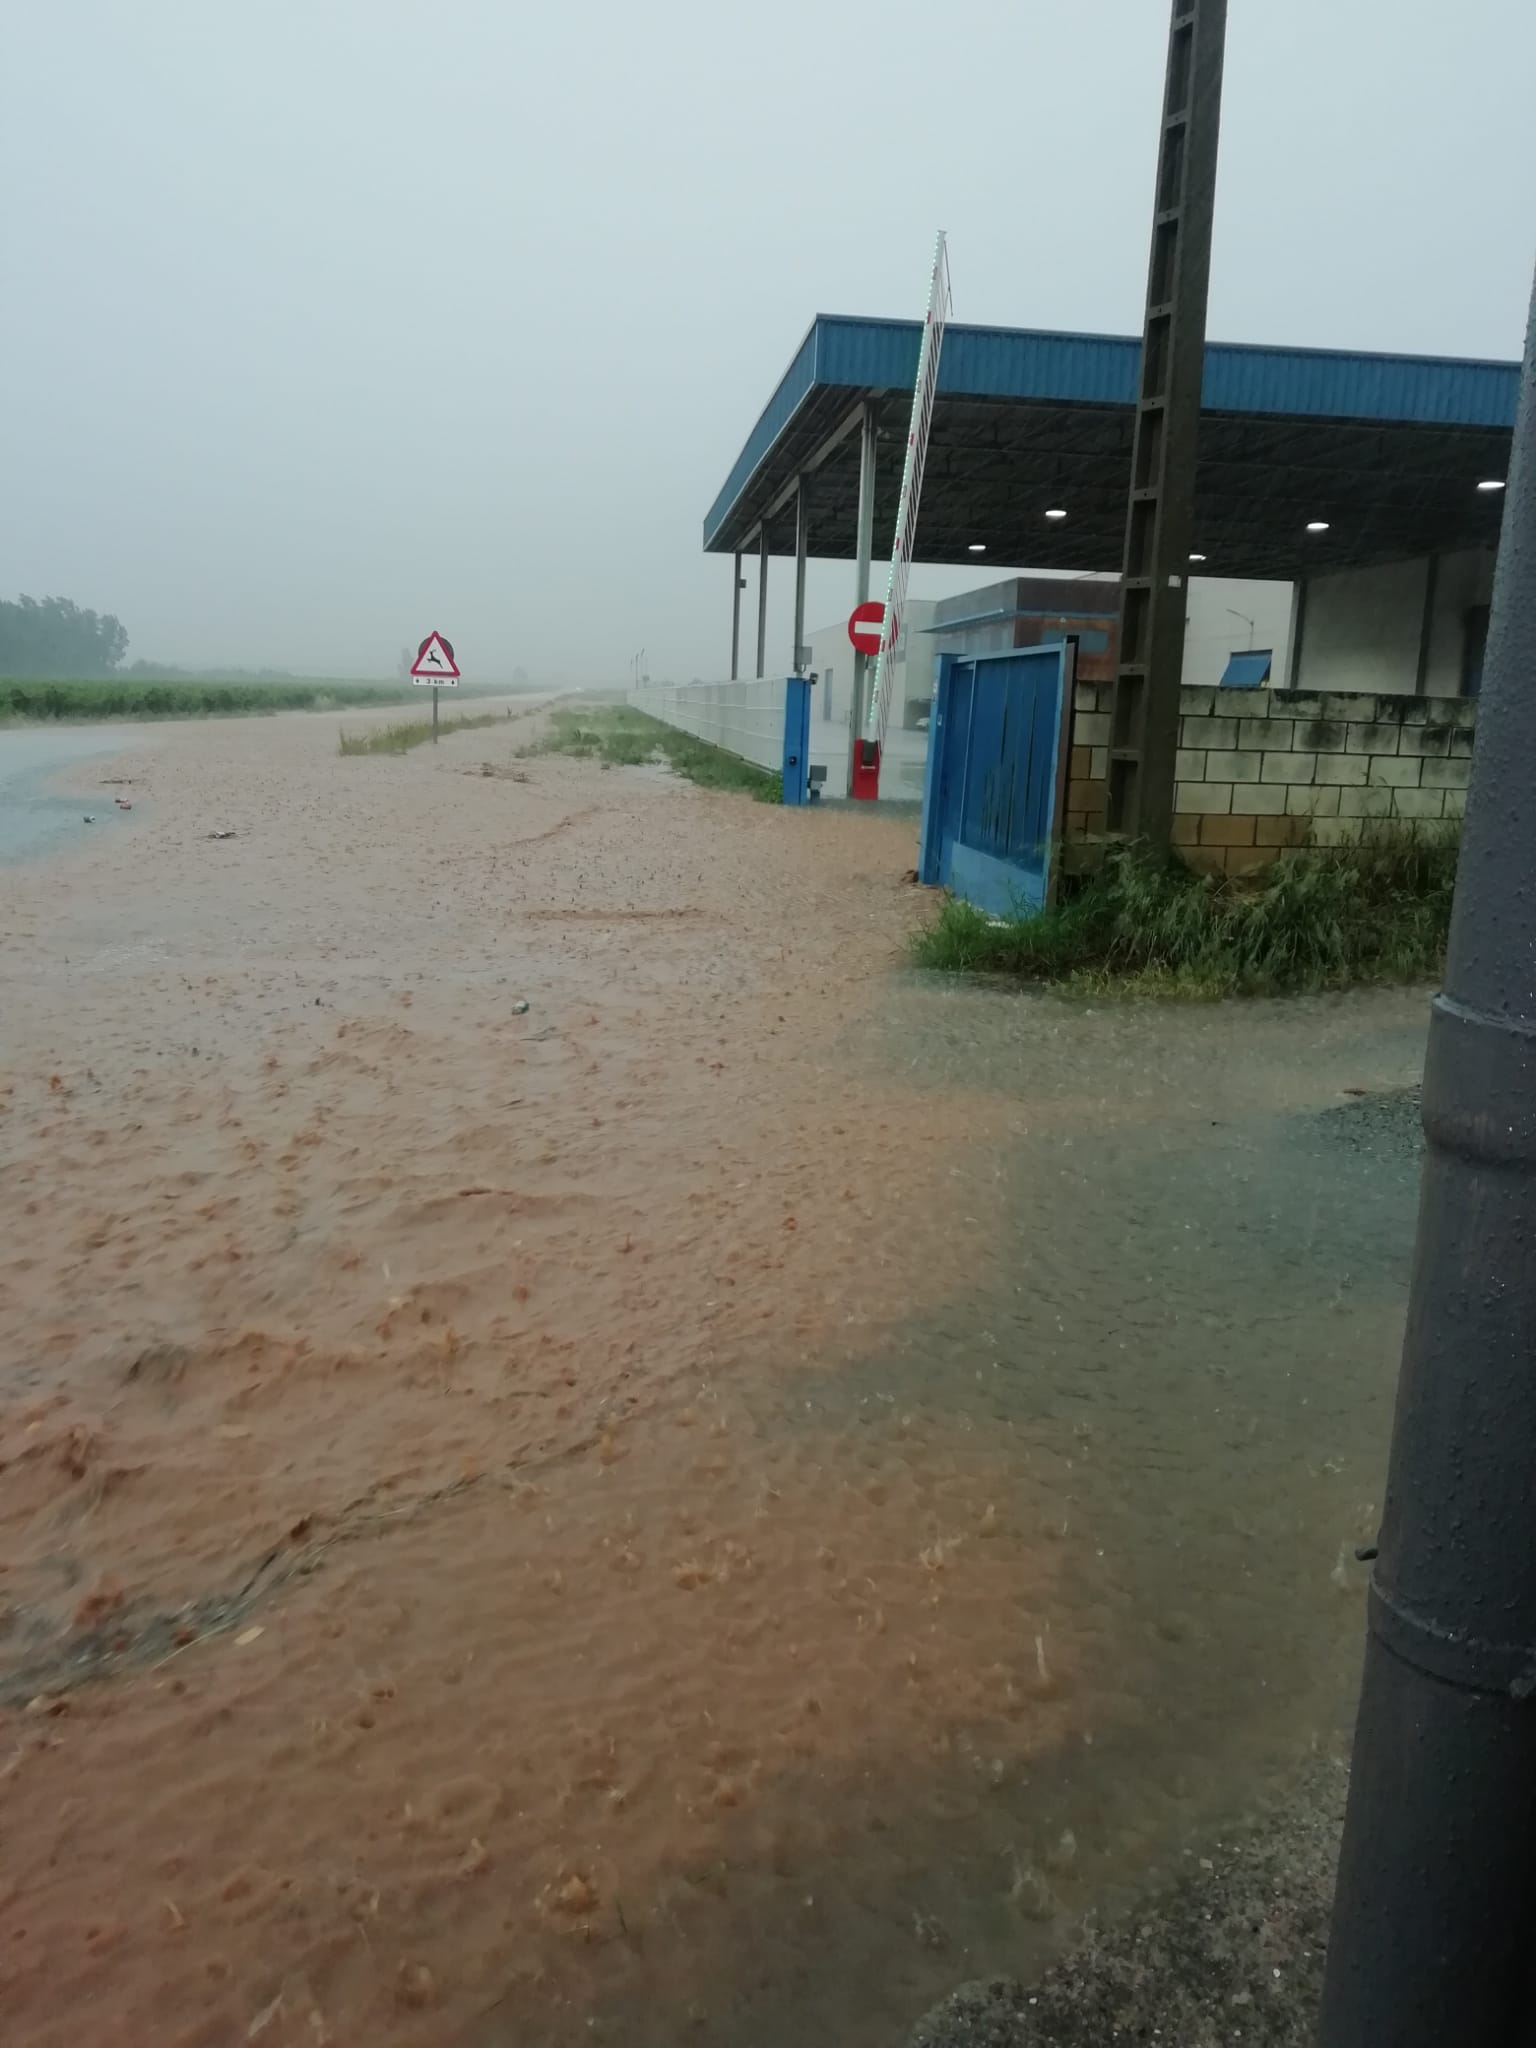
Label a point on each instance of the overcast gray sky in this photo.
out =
(330, 321)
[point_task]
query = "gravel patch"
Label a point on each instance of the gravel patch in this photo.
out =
(1232, 1952)
(1387, 1123)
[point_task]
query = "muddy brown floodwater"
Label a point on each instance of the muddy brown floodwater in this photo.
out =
(709, 1509)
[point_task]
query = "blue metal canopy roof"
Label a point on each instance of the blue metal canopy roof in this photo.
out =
(1053, 410)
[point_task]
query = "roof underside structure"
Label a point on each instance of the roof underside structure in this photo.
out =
(1387, 449)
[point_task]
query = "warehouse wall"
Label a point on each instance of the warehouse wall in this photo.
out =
(1361, 627)
(1463, 582)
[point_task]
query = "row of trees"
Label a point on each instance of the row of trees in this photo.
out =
(55, 637)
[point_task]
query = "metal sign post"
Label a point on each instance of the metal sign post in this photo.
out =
(435, 664)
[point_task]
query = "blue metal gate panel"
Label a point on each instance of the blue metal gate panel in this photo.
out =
(994, 770)
(797, 740)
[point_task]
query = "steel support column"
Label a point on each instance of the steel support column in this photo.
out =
(1298, 628)
(736, 615)
(762, 601)
(1432, 1921)
(1159, 527)
(1426, 623)
(802, 534)
(865, 548)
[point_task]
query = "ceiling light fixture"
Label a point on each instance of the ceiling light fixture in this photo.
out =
(1055, 512)
(1317, 526)
(978, 547)
(1197, 558)
(1491, 483)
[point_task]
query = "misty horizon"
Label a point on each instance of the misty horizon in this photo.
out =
(347, 324)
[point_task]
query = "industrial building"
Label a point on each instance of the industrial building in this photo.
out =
(1370, 486)
(1237, 634)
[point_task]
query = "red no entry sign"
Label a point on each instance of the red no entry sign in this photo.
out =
(864, 623)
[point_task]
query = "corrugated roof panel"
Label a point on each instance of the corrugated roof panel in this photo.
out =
(998, 362)
(1019, 362)
(1324, 384)
(1101, 369)
(987, 362)
(881, 354)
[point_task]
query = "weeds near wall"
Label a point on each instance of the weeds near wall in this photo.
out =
(618, 737)
(1325, 918)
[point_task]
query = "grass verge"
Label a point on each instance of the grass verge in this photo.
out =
(1323, 919)
(620, 737)
(399, 739)
(128, 699)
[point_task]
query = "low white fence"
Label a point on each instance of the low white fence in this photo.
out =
(745, 718)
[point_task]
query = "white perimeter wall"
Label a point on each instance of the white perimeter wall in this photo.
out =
(745, 718)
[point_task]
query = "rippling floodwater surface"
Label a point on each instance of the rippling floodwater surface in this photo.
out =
(36, 814)
(713, 1509)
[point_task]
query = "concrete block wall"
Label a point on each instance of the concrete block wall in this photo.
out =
(1260, 771)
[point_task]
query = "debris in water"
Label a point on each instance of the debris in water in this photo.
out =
(89, 820)
(520, 1007)
(264, 2018)
(221, 835)
(1029, 1891)
(415, 1986)
(1064, 1855)
(930, 1932)
(577, 1895)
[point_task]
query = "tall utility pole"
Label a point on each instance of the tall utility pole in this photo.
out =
(1159, 526)
(1432, 1942)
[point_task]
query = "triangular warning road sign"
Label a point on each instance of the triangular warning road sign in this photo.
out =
(434, 661)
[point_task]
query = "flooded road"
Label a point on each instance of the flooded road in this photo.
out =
(710, 1509)
(38, 765)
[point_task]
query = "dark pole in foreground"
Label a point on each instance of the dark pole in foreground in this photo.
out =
(1160, 512)
(1434, 1921)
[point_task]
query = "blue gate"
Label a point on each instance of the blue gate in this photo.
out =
(997, 760)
